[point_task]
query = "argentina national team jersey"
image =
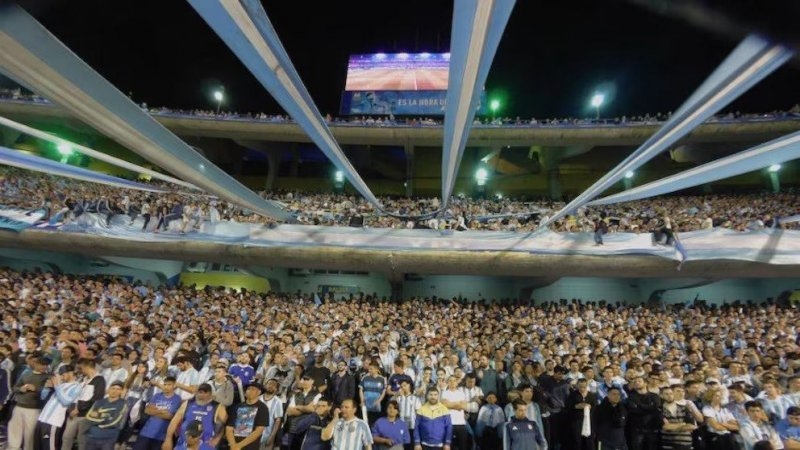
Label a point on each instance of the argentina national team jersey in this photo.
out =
(353, 434)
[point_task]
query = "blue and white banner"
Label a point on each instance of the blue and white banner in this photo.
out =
(16, 219)
(771, 246)
(398, 103)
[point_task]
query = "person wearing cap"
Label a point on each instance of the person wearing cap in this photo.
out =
(247, 420)
(301, 404)
(789, 428)
(27, 395)
(193, 438)
(54, 413)
(160, 409)
(106, 419)
(201, 408)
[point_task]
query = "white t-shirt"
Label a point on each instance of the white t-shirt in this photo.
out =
(721, 415)
(456, 416)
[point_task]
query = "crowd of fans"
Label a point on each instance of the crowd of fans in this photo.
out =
(392, 121)
(66, 200)
(99, 361)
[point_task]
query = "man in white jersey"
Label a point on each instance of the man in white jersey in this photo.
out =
(348, 432)
(51, 420)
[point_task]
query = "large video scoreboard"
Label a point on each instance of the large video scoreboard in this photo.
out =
(400, 84)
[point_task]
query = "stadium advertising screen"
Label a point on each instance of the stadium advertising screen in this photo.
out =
(398, 72)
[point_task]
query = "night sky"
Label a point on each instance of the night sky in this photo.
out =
(552, 57)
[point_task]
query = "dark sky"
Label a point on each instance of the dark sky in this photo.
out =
(552, 57)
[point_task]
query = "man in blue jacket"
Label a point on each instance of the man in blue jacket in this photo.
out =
(521, 433)
(434, 429)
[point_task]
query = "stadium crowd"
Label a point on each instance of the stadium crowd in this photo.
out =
(101, 362)
(66, 200)
(19, 95)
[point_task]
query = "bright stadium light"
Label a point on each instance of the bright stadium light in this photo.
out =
(338, 176)
(597, 101)
(494, 105)
(424, 55)
(774, 168)
(219, 96)
(499, 196)
(402, 55)
(629, 174)
(64, 149)
(380, 55)
(481, 175)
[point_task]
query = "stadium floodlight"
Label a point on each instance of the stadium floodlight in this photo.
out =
(494, 105)
(499, 196)
(774, 168)
(629, 174)
(481, 175)
(219, 96)
(64, 149)
(402, 55)
(597, 101)
(338, 176)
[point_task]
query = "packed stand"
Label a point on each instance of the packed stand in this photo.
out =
(393, 121)
(65, 201)
(102, 363)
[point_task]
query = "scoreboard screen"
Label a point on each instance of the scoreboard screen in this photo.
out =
(398, 72)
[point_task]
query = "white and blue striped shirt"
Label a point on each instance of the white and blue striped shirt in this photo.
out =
(55, 410)
(409, 404)
(353, 434)
(275, 407)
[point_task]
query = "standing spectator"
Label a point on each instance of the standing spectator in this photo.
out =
(521, 433)
(51, 420)
(579, 408)
(789, 429)
(720, 422)
(187, 380)
(408, 404)
(300, 405)
(475, 398)
(679, 423)
(348, 432)
(93, 389)
(372, 390)
(488, 428)
(247, 420)
(243, 374)
(757, 427)
(310, 427)
(201, 408)
(106, 419)
(391, 432)
(610, 418)
(644, 420)
(433, 430)
(343, 384)
(27, 395)
(160, 410)
(223, 386)
(456, 401)
(270, 438)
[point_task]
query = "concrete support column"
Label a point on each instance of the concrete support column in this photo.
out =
(293, 169)
(274, 160)
(409, 183)
(550, 159)
(397, 290)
